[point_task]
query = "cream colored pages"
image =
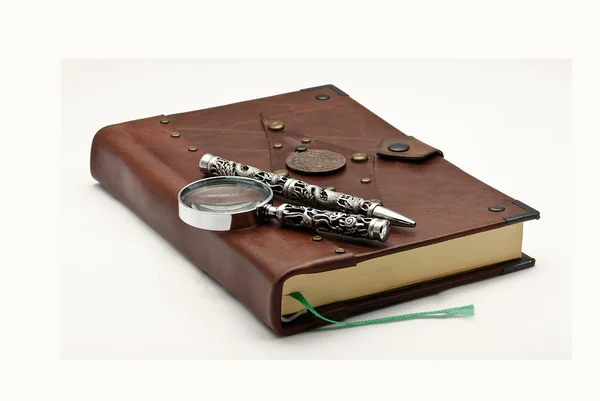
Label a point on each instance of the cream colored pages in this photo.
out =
(405, 268)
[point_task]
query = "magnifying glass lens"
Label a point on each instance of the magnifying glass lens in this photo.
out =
(225, 196)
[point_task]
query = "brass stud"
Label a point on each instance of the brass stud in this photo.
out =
(175, 134)
(340, 250)
(301, 148)
(276, 125)
(164, 121)
(376, 201)
(322, 96)
(277, 145)
(330, 188)
(365, 180)
(192, 148)
(496, 208)
(317, 238)
(359, 157)
(282, 173)
(306, 140)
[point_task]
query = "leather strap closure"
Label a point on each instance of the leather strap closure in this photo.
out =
(406, 148)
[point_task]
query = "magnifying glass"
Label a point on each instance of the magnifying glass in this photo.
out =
(233, 203)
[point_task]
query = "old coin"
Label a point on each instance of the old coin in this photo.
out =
(315, 161)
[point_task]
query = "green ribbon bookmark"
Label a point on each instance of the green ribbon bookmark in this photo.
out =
(467, 310)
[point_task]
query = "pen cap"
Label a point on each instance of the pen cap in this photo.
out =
(204, 163)
(379, 229)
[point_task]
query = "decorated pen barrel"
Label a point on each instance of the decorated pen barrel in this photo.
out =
(330, 222)
(302, 192)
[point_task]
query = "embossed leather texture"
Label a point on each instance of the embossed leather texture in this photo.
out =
(145, 167)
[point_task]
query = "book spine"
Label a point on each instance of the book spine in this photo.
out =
(124, 160)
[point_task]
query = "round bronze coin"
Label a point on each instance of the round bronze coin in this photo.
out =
(315, 161)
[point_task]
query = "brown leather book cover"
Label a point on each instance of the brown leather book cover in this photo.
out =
(145, 163)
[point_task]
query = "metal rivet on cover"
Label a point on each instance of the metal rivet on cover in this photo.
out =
(306, 140)
(175, 134)
(282, 172)
(365, 180)
(164, 120)
(359, 157)
(278, 145)
(317, 238)
(496, 208)
(276, 125)
(398, 147)
(192, 148)
(340, 250)
(322, 96)
(301, 148)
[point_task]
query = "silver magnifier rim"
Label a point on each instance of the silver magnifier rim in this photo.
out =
(222, 221)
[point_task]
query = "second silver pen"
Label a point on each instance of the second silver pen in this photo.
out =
(300, 191)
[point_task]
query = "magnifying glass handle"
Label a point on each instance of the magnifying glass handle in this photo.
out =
(332, 222)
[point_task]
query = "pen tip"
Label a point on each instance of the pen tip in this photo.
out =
(396, 219)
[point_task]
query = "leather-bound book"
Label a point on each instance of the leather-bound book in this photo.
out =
(466, 230)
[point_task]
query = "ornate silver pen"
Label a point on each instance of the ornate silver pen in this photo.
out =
(300, 191)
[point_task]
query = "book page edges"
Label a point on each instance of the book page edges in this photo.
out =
(404, 268)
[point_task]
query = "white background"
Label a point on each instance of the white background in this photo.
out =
(127, 294)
